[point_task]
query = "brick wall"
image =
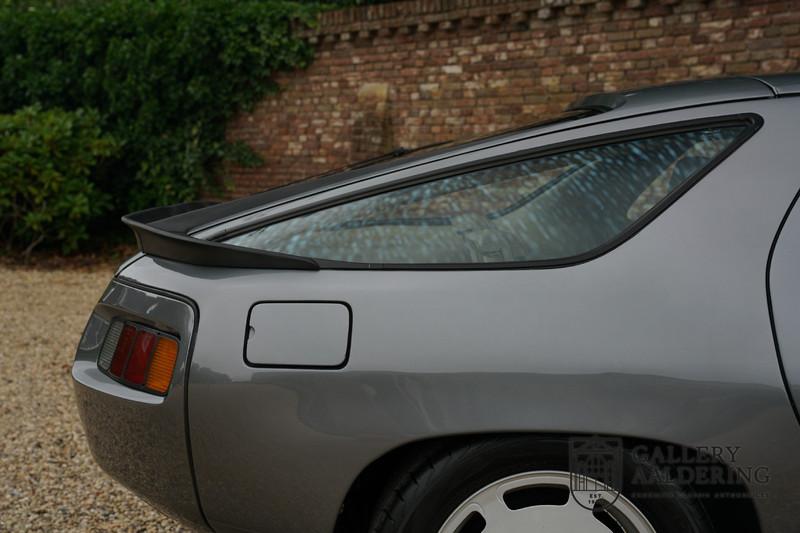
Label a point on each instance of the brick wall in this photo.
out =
(420, 71)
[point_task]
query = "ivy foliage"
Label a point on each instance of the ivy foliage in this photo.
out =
(159, 77)
(46, 162)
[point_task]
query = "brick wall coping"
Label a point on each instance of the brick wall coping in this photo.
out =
(365, 22)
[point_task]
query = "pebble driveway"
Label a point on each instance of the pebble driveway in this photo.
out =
(48, 480)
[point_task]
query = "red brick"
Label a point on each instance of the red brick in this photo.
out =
(477, 67)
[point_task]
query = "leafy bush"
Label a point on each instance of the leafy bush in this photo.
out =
(164, 76)
(46, 161)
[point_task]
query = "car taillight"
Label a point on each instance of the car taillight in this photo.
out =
(139, 356)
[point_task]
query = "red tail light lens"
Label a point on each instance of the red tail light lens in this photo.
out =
(143, 358)
(140, 357)
(122, 350)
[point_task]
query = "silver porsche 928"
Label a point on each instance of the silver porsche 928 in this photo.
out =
(586, 325)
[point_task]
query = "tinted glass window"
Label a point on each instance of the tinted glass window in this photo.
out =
(551, 207)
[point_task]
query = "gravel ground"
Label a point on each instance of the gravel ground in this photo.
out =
(48, 480)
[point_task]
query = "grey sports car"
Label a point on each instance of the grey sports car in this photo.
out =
(590, 324)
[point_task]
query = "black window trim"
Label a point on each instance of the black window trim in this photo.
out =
(751, 121)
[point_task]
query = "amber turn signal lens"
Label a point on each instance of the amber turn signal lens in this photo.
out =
(163, 363)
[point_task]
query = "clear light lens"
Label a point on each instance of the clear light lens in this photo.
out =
(109, 345)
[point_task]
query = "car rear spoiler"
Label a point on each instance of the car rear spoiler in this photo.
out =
(163, 232)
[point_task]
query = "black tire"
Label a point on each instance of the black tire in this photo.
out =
(429, 488)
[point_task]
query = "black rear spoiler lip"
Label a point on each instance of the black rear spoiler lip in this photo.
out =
(158, 237)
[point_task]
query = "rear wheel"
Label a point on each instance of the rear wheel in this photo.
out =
(540, 501)
(522, 485)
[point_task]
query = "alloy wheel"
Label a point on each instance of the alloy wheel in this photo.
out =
(539, 502)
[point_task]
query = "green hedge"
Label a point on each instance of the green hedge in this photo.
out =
(163, 76)
(46, 162)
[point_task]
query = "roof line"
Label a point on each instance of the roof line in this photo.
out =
(769, 86)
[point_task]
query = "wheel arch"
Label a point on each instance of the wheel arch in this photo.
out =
(365, 491)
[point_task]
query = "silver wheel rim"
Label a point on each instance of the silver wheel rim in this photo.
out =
(489, 503)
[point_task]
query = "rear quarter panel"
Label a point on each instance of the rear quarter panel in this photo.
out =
(667, 337)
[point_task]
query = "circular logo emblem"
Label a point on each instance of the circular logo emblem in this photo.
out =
(595, 467)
